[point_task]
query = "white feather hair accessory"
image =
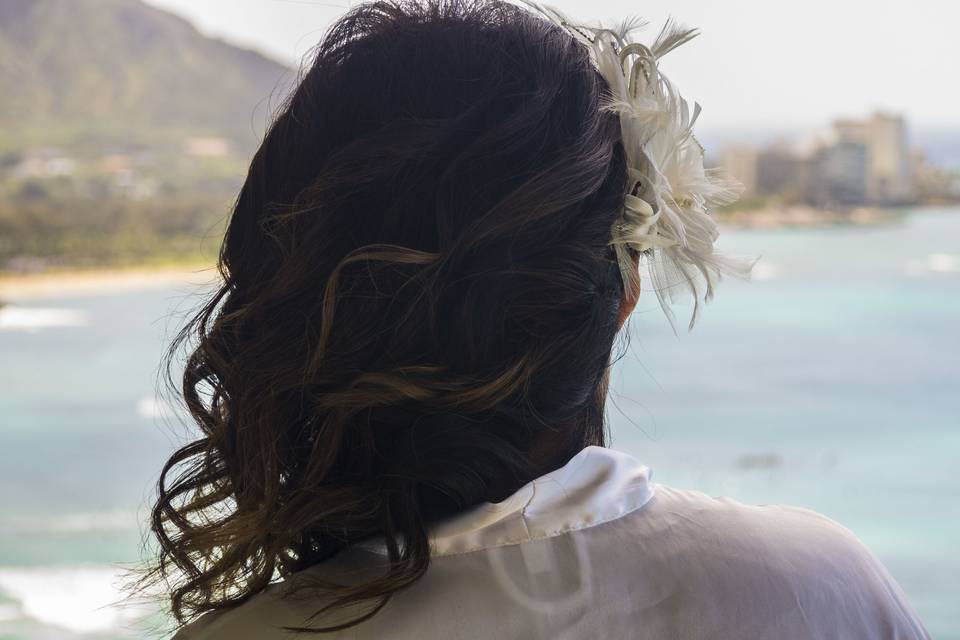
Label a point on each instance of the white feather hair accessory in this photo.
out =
(669, 192)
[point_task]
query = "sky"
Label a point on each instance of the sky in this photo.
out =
(764, 64)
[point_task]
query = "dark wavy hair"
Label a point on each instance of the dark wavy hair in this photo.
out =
(419, 303)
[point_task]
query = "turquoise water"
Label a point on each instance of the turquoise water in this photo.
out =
(830, 382)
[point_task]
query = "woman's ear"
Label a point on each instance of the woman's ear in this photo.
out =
(628, 301)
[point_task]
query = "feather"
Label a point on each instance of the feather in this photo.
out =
(671, 36)
(630, 24)
(669, 220)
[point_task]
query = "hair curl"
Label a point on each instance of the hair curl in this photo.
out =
(418, 306)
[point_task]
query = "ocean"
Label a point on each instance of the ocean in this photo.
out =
(830, 381)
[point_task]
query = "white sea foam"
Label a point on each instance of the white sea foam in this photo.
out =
(79, 522)
(81, 599)
(10, 611)
(13, 318)
(933, 263)
(148, 407)
(764, 271)
(943, 263)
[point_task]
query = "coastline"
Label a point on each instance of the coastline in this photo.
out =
(66, 282)
(786, 216)
(70, 282)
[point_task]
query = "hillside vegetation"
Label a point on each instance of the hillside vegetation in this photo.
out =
(124, 132)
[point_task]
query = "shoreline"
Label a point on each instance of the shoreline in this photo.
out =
(799, 216)
(15, 287)
(67, 282)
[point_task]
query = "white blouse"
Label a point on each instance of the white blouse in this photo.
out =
(597, 550)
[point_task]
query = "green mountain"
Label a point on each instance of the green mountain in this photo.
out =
(95, 71)
(124, 133)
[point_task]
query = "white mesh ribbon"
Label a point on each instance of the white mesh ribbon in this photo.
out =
(665, 215)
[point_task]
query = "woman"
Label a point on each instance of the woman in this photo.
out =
(401, 382)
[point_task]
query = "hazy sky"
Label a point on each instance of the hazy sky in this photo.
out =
(757, 63)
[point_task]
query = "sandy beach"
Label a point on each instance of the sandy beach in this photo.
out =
(50, 284)
(65, 283)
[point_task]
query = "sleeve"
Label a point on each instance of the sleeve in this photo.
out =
(773, 572)
(853, 586)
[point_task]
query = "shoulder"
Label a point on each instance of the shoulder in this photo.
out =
(783, 568)
(254, 618)
(287, 604)
(268, 614)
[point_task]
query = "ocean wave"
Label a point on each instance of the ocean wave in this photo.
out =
(81, 599)
(763, 271)
(80, 522)
(148, 407)
(10, 611)
(933, 263)
(13, 318)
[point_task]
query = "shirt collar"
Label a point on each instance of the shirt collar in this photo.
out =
(595, 486)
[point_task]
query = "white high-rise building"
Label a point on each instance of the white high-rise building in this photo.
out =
(740, 163)
(884, 136)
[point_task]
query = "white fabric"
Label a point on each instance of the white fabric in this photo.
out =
(597, 550)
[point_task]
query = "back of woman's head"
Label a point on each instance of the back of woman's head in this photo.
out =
(419, 301)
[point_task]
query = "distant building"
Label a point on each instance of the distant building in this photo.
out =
(115, 164)
(780, 170)
(839, 174)
(741, 163)
(772, 171)
(206, 147)
(859, 162)
(45, 162)
(932, 183)
(884, 138)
